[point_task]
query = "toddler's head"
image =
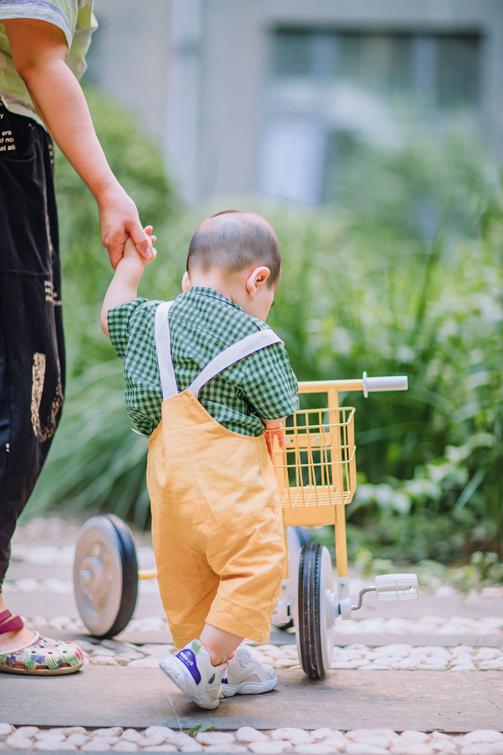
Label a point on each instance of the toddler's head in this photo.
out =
(237, 253)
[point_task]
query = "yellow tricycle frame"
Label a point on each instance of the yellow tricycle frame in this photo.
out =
(316, 467)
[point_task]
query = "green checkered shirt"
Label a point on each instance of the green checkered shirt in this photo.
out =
(202, 323)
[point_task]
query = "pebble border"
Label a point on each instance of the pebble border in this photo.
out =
(246, 739)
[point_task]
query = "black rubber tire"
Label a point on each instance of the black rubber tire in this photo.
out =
(303, 535)
(129, 561)
(309, 624)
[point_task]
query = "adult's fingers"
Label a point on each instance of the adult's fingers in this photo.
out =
(141, 239)
(115, 248)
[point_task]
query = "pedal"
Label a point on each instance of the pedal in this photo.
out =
(396, 586)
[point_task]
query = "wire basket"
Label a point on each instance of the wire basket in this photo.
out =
(317, 466)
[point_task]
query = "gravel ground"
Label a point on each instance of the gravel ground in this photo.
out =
(429, 625)
(28, 549)
(246, 739)
(396, 656)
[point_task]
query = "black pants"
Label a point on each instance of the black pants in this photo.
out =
(31, 329)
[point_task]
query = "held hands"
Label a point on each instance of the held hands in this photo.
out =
(128, 273)
(131, 260)
(120, 224)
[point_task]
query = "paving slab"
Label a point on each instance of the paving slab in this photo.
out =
(457, 604)
(51, 604)
(471, 606)
(139, 697)
(24, 570)
(48, 605)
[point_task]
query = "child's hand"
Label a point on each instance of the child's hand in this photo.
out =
(130, 248)
(274, 434)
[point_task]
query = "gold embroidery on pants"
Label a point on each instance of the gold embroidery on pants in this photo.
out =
(51, 295)
(37, 388)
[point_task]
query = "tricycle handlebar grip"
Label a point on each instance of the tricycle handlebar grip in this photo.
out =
(385, 383)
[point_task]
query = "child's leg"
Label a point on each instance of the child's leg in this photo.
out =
(249, 560)
(187, 583)
(188, 586)
(221, 645)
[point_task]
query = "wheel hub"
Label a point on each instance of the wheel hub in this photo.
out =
(93, 580)
(105, 573)
(333, 607)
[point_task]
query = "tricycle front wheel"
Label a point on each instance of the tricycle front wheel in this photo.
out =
(315, 617)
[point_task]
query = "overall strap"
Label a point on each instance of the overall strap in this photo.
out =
(232, 354)
(163, 348)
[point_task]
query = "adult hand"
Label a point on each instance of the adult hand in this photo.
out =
(119, 221)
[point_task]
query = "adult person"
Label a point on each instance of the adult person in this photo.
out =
(43, 44)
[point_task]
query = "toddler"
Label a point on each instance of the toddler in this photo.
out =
(204, 377)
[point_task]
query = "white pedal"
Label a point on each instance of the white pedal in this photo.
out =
(396, 586)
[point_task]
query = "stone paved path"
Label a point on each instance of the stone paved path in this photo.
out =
(414, 678)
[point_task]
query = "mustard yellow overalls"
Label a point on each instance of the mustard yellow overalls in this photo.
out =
(216, 521)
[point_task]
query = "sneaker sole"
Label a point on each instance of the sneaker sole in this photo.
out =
(187, 685)
(249, 688)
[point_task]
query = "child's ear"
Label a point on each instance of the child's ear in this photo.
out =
(257, 279)
(185, 282)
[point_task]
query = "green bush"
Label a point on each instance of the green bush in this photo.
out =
(360, 291)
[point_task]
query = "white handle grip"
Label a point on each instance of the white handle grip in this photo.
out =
(396, 586)
(386, 383)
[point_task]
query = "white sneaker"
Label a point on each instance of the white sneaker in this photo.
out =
(247, 676)
(192, 672)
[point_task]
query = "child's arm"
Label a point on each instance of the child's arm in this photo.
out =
(270, 386)
(124, 285)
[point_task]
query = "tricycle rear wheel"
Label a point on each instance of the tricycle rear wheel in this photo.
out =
(105, 575)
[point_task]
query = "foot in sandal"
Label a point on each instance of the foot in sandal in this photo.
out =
(25, 652)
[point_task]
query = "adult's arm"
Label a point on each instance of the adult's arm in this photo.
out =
(39, 51)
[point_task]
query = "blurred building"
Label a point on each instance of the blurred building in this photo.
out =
(274, 96)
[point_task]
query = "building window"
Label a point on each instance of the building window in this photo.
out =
(329, 91)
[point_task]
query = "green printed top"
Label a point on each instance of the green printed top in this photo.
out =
(75, 19)
(202, 323)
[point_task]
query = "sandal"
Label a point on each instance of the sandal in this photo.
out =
(42, 657)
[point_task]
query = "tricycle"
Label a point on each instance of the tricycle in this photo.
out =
(315, 468)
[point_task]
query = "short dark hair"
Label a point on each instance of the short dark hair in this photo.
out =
(234, 240)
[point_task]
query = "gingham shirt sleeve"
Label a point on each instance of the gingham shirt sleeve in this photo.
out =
(268, 382)
(119, 320)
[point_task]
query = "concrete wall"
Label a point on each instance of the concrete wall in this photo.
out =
(235, 59)
(129, 58)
